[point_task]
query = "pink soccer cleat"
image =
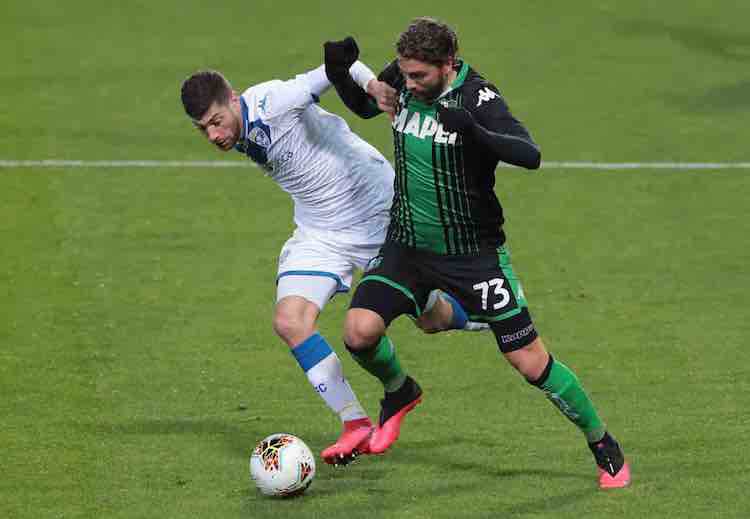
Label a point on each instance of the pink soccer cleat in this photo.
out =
(619, 480)
(352, 442)
(393, 409)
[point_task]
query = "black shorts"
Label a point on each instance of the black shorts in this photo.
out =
(399, 280)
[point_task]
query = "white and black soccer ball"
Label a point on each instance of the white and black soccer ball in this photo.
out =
(282, 465)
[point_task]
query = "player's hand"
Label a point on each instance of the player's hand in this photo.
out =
(384, 95)
(340, 55)
(455, 119)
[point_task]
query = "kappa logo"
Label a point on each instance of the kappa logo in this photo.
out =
(485, 95)
(264, 105)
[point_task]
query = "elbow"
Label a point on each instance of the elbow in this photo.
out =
(364, 109)
(368, 114)
(534, 160)
(537, 159)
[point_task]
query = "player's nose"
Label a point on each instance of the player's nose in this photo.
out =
(213, 134)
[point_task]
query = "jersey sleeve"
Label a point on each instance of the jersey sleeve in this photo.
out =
(351, 88)
(305, 89)
(294, 94)
(497, 130)
(491, 111)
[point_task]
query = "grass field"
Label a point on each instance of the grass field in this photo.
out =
(138, 366)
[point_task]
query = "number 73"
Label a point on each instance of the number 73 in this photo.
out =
(497, 283)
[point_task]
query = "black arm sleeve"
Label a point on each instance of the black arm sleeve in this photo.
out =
(356, 99)
(513, 149)
(353, 96)
(499, 132)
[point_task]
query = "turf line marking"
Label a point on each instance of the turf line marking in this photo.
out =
(646, 165)
(54, 163)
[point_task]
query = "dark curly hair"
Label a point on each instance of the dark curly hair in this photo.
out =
(202, 89)
(428, 40)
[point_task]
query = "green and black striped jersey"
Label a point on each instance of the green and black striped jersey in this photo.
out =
(444, 197)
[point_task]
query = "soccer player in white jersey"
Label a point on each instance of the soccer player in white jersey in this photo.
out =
(342, 190)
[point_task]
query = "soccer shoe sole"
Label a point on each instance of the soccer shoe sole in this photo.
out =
(350, 445)
(619, 480)
(384, 436)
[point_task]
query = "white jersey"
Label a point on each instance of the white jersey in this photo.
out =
(336, 179)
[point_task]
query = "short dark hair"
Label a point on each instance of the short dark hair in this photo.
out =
(428, 40)
(202, 89)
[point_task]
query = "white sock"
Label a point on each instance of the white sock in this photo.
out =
(326, 375)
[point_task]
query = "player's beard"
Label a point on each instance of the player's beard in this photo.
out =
(231, 140)
(429, 95)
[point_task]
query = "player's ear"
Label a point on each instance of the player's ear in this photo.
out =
(234, 100)
(447, 67)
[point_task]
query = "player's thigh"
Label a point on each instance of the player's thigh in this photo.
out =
(311, 269)
(391, 286)
(488, 288)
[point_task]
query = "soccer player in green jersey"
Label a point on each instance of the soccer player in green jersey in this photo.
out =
(451, 127)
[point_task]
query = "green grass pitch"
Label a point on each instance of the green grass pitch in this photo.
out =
(138, 366)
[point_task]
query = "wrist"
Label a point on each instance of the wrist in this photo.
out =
(361, 75)
(370, 87)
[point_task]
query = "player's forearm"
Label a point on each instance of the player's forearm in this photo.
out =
(318, 83)
(353, 95)
(513, 149)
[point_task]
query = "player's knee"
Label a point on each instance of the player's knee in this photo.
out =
(286, 326)
(292, 327)
(362, 328)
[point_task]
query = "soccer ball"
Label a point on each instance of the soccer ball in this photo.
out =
(282, 465)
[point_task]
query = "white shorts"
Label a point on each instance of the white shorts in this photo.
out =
(317, 264)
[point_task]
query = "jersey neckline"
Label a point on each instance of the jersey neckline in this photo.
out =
(457, 83)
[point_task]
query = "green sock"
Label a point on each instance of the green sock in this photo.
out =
(382, 362)
(564, 390)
